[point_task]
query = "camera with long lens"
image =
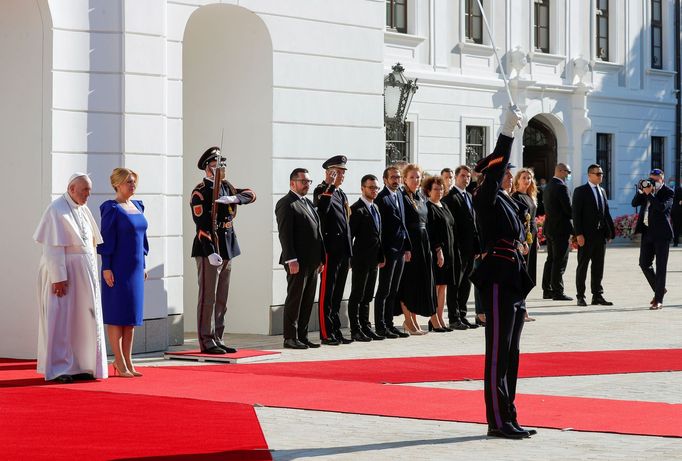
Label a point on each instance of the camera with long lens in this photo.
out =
(644, 183)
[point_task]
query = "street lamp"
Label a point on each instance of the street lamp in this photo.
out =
(398, 93)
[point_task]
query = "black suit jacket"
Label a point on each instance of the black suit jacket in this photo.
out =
(558, 212)
(677, 201)
(467, 240)
(660, 205)
(299, 232)
(366, 235)
(394, 237)
(587, 220)
(334, 210)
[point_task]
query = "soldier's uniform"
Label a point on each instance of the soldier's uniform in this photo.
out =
(334, 210)
(503, 281)
(214, 281)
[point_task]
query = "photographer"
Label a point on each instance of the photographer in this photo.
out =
(655, 200)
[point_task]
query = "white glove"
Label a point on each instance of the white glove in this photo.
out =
(215, 260)
(227, 199)
(512, 119)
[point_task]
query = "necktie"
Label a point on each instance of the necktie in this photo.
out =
(600, 205)
(468, 202)
(375, 215)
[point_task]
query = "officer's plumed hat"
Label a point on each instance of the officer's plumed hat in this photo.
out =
(208, 156)
(337, 161)
(489, 161)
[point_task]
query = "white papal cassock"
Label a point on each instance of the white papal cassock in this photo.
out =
(71, 335)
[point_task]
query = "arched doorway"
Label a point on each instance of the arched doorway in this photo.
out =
(539, 149)
(25, 146)
(227, 91)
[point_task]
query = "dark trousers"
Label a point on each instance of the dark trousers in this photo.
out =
(299, 302)
(659, 249)
(333, 282)
(387, 292)
(676, 218)
(214, 286)
(555, 266)
(503, 326)
(458, 296)
(594, 250)
(363, 281)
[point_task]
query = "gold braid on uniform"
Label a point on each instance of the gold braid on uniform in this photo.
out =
(529, 234)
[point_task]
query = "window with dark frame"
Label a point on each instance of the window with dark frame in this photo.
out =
(396, 15)
(475, 148)
(398, 148)
(542, 25)
(656, 34)
(657, 152)
(473, 22)
(603, 29)
(604, 160)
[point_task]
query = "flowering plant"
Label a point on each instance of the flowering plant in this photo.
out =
(625, 225)
(540, 222)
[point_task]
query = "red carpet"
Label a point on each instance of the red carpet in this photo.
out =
(67, 424)
(241, 356)
(466, 367)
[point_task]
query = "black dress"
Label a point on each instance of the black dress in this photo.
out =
(417, 290)
(532, 256)
(441, 228)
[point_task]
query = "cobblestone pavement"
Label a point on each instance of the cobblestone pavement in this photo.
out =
(560, 326)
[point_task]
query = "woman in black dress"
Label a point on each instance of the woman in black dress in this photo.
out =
(441, 229)
(525, 191)
(417, 291)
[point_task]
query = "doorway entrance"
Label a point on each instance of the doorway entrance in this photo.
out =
(540, 149)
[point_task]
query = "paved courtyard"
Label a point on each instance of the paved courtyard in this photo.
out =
(560, 327)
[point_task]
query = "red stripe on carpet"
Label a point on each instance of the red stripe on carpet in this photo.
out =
(466, 367)
(60, 424)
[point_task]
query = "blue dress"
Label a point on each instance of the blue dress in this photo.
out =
(123, 251)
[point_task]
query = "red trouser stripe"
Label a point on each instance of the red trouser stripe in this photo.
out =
(323, 290)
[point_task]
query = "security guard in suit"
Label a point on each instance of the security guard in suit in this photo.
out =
(334, 210)
(214, 259)
(503, 281)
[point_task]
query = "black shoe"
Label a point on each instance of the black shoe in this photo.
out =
(83, 377)
(436, 329)
(341, 339)
(215, 350)
(228, 350)
(63, 379)
(507, 431)
(294, 344)
(400, 334)
(523, 429)
(330, 342)
(562, 297)
(468, 323)
(372, 335)
(309, 343)
(581, 301)
(599, 300)
(547, 295)
(387, 334)
(458, 326)
(360, 337)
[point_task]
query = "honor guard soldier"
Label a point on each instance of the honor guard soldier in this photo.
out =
(334, 210)
(503, 281)
(214, 259)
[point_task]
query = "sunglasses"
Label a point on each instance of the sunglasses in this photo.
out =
(598, 173)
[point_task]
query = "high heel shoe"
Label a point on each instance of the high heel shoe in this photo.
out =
(135, 373)
(414, 332)
(437, 330)
(122, 374)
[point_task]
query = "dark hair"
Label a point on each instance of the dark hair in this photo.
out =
(294, 174)
(367, 177)
(460, 168)
(428, 183)
(390, 168)
(445, 170)
(593, 166)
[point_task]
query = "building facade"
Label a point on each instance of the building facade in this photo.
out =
(150, 84)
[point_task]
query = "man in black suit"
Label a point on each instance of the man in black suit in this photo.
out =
(365, 228)
(302, 255)
(334, 210)
(655, 200)
(396, 250)
(676, 213)
(558, 229)
(594, 229)
(460, 204)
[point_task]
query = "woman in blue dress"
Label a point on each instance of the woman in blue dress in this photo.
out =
(124, 230)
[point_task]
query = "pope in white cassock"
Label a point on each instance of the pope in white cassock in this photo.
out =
(71, 336)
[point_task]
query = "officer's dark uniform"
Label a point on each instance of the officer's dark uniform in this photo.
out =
(214, 282)
(503, 281)
(334, 210)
